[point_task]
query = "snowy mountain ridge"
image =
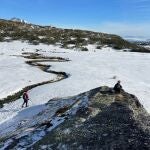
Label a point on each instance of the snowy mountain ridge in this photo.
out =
(66, 38)
(18, 20)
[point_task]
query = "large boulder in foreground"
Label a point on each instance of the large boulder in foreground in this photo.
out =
(106, 121)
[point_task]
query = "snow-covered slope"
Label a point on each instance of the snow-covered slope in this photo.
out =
(87, 70)
(15, 73)
(77, 119)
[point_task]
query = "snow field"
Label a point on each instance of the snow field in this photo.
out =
(87, 70)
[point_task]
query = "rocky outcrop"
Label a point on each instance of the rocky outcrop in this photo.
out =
(95, 120)
(109, 121)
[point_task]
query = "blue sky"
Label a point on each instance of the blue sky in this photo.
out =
(123, 17)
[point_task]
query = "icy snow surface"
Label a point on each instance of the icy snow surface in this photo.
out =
(14, 73)
(87, 70)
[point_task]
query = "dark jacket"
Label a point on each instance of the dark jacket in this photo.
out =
(117, 87)
(25, 96)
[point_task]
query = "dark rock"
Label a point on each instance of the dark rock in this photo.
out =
(47, 124)
(121, 124)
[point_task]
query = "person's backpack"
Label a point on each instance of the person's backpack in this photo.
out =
(25, 96)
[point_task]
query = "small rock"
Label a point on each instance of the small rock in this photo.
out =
(105, 134)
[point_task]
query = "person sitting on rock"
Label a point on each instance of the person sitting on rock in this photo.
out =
(117, 88)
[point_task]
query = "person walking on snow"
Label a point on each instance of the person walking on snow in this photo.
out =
(25, 98)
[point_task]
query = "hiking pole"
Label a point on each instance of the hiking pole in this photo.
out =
(31, 101)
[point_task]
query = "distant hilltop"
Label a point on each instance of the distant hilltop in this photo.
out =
(19, 29)
(136, 38)
(139, 40)
(18, 20)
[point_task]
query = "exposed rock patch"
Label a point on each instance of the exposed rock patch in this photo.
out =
(97, 119)
(109, 122)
